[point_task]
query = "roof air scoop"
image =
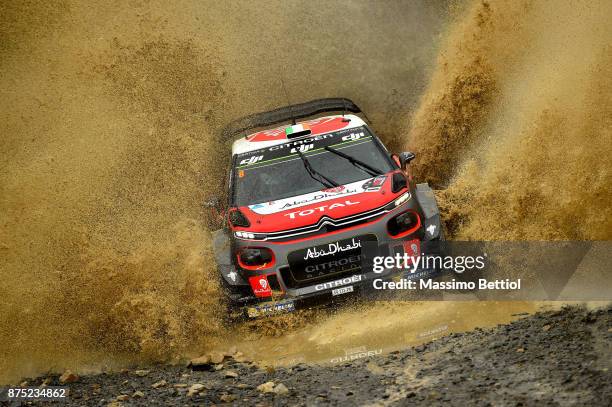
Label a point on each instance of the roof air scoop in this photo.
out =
(297, 130)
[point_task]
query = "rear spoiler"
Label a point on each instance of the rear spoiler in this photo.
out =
(286, 113)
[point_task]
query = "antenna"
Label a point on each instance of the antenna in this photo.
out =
(344, 119)
(293, 122)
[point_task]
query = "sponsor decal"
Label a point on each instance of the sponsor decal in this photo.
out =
(334, 190)
(346, 255)
(271, 308)
(353, 136)
(374, 184)
(260, 286)
(308, 199)
(302, 149)
(308, 212)
(412, 248)
(305, 141)
(232, 275)
(334, 266)
(337, 283)
(333, 248)
(343, 290)
(252, 160)
(431, 229)
(419, 275)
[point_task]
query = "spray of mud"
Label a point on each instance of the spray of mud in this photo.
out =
(105, 155)
(517, 122)
(109, 119)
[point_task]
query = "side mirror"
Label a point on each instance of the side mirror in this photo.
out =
(405, 158)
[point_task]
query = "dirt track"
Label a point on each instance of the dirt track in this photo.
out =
(551, 358)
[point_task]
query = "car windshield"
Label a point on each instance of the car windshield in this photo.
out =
(280, 172)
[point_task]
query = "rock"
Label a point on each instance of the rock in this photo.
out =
(205, 359)
(180, 385)
(520, 350)
(267, 387)
(138, 394)
(122, 397)
(23, 383)
(68, 377)
(114, 404)
(545, 328)
(239, 357)
(280, 389)
(195, 389)
(216, 357)
(159, 384)
(46, 382)
(219, 366)
(227, 398)
(141, 373)
(230, 374)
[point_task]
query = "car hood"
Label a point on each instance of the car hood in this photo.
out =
(335, 203)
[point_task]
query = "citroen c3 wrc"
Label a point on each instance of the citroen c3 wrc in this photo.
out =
(311, 203)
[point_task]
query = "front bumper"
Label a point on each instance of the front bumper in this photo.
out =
(288, 294)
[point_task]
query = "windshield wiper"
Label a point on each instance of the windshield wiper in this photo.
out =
(357, 163)
(322, 178)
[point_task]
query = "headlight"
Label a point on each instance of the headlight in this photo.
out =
(250, 235)
(403, 198)
(403, 224)
(255, 258)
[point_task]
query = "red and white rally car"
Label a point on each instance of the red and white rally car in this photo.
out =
(311, 203)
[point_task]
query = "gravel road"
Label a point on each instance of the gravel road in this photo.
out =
(549, 358)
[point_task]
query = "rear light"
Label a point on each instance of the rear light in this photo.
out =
(255, 258)
(403, 224)
(237, 218)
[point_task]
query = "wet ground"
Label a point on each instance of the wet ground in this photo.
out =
(341, 334)
(559, 357)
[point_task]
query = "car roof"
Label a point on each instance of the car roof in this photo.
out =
(277, 135)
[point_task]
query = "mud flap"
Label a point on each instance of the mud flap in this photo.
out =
(231, 282)
(427, 201)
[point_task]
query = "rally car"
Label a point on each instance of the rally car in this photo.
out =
(311, 203)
